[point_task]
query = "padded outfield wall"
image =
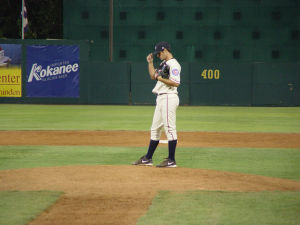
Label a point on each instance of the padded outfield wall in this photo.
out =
(232, 52)
(245, 84)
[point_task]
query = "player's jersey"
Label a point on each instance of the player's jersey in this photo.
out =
(175, 69)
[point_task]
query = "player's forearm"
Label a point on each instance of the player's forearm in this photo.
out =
(151, 70)
(168, 82)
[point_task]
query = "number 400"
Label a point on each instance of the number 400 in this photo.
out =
(211, 74)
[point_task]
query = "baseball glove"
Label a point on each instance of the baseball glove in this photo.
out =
(163, 71)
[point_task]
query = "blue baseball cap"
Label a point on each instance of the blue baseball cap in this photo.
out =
(160, 46)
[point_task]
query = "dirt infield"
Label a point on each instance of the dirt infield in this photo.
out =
(141, 139)
(109, 195)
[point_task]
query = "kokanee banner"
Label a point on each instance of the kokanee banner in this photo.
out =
(52, 71)
(10, 70)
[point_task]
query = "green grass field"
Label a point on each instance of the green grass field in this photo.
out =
(87, 117)
(19, 208)
(198, 207)
(226, 208)
(281, 163)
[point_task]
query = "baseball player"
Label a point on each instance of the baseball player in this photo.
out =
(167, 101)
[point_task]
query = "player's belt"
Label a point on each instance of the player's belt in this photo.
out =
(166, 94)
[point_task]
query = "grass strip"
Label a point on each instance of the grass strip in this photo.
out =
(223, 208)
(20, 207)
(281, 163)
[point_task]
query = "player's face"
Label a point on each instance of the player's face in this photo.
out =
(161, 55)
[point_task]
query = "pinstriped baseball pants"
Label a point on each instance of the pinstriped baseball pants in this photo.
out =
(165, 117)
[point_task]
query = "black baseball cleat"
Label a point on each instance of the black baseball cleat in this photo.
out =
(167, 163)
(143, 161)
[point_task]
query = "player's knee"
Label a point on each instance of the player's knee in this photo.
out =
(171, 134)
(155, 135)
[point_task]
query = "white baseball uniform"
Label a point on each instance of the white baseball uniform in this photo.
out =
(167, 102)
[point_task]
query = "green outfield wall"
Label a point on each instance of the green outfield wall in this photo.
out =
(202, 83)
(223, 31)
(232, 52)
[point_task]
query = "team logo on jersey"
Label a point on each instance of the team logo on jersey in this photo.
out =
(175, 72)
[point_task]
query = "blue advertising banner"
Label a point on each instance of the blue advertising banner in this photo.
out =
(52, 71)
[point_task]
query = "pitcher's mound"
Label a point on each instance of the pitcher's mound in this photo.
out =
(121, 194)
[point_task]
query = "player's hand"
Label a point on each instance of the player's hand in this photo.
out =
(156, 74)
(150, 58)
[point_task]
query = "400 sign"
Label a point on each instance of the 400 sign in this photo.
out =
(210, 74)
